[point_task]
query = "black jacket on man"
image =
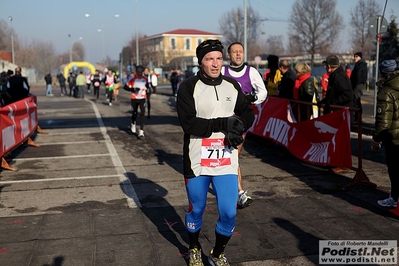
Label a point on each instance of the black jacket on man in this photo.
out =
(18, 88)
(358, 80)
(287, 84)
(359, 73)
(339, 90)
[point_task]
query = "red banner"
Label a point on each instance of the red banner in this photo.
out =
(17, 122)
(321, 141)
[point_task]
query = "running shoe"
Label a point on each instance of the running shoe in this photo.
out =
(195, 257)
(110, 104)
(133, 128)
(141, 133)
(221, 261)
(389, 202)
(244, 200)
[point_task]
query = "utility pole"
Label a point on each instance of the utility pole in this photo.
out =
(12, 40)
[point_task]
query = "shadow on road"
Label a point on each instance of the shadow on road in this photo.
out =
(159, 211)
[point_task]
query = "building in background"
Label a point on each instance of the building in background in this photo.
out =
(173, 49)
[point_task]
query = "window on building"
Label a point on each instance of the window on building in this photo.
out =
(187, 44)
(172, 43)
(199, 40)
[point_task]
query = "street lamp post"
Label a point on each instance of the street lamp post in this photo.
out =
(102, 31)
(137, 35)
(70, 47)
(12, 40)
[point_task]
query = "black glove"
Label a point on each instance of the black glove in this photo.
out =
(135, 90)
(234, 139)
(126, 88)
(251, 97)
(235, 125)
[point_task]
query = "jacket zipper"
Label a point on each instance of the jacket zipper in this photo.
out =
(216, 92)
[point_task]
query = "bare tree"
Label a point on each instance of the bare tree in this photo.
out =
(5, 39)
(256, 49)
(5, 36)
(78, 51)
(315, 24)
(64, 58)
(275, 45)
(232, 25)
(26, 57)
(294, 45)
(361, 14)
(46, 59)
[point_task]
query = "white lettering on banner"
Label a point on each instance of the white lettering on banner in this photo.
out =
(294, 130)
(325, 128)
(33, 121)
(278, 130)
(318, 153)
(24, 127)
(8, 138)
(8, 133)
(257, 117)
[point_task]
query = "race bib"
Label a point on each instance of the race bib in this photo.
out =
(97, 84)
(215, 152)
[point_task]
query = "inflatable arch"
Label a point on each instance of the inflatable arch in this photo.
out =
(78, 64)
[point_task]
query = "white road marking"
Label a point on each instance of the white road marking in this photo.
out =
(127, 186)
(72, 142)
(61, 157)
(56, 179)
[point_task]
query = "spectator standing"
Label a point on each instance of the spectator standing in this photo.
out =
(387, 126)
(180, 76)
(305, 91)
(4, 96)
(254, 90)
(49, 89)
(358, 80)
(272, 77)
(62, 82)
(96, 83)
(71, 84)
(324, 85)
(173, 83)
(80, 84)
(154, 82)
(348, 71)
(339, 90)
(286, 89)
(17, 87)
(208, 121)
(10, 73)
(138, 86)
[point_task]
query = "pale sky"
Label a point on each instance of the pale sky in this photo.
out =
(53, 20)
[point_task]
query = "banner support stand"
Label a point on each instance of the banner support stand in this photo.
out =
(6, 166)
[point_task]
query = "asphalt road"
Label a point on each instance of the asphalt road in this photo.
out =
(95, 194)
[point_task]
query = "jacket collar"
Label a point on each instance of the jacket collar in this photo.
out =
(208, 81)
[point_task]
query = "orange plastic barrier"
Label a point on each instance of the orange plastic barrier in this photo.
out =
(17, 123)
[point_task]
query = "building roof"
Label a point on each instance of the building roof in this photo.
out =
(184, 32)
